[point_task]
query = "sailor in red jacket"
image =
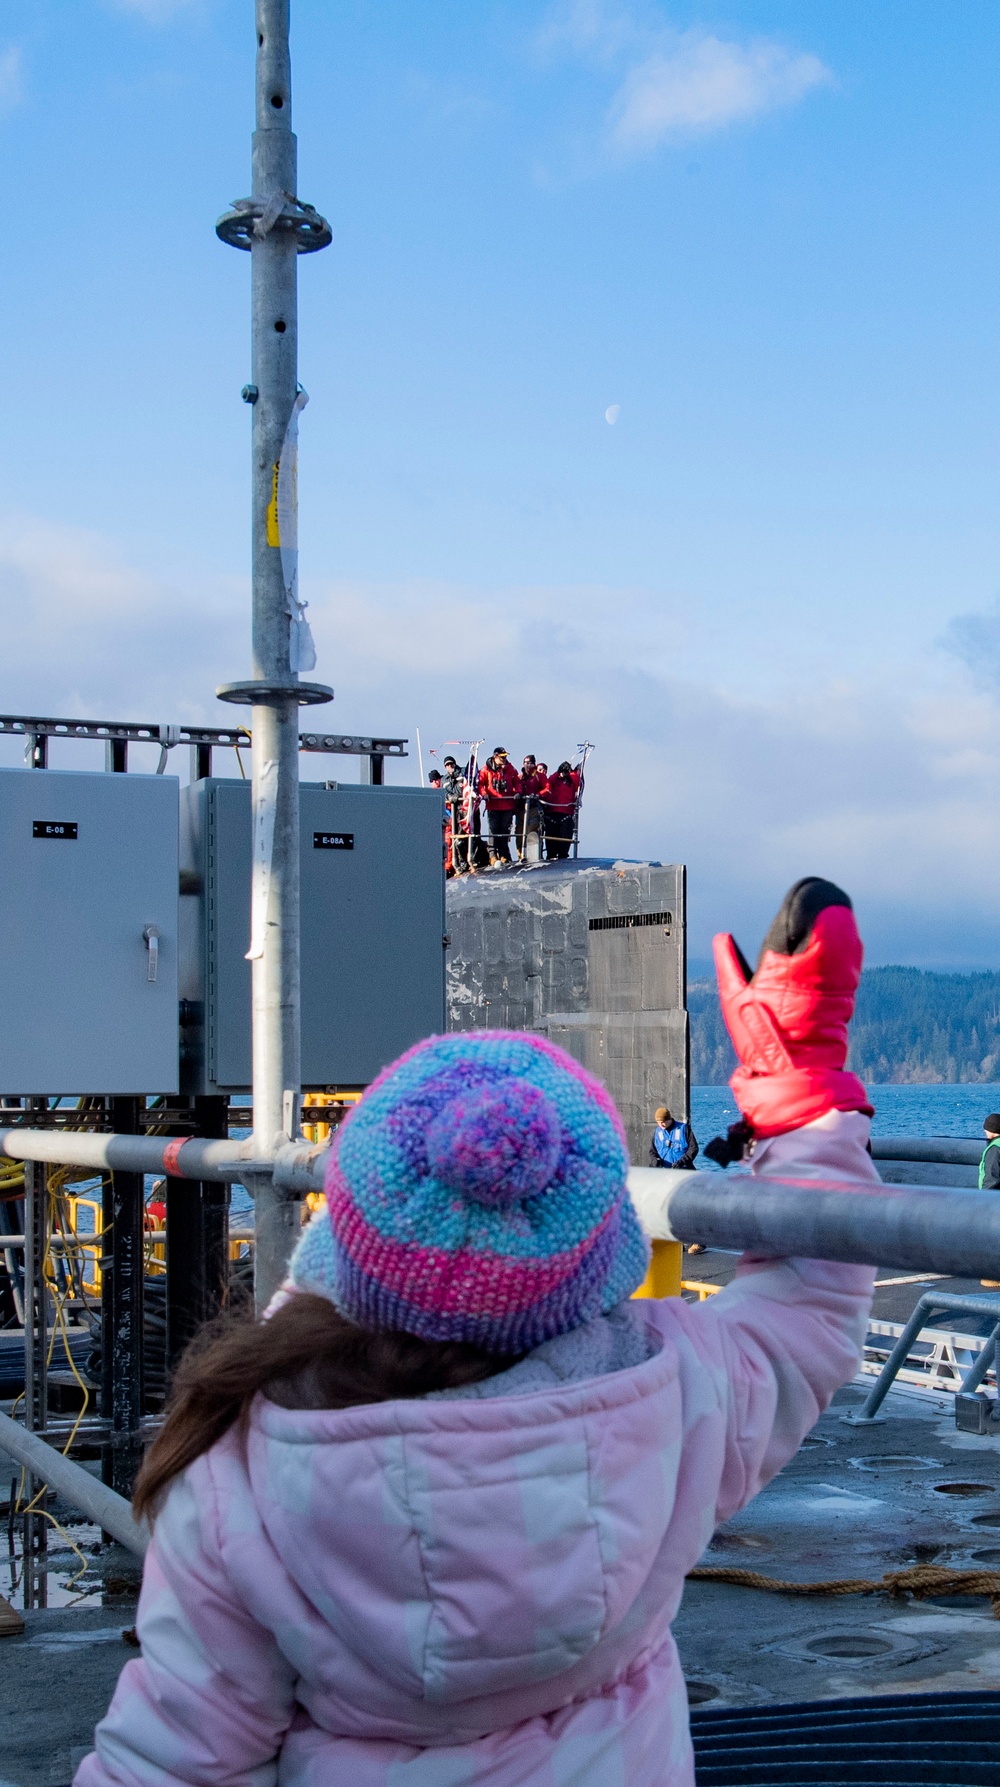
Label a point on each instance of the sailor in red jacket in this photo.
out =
(558, 801)
(499, 787)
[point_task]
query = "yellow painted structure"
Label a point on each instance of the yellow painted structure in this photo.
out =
(701, 1289)
(664, 1276)
(320, 1132)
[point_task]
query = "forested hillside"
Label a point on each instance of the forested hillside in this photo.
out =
(911, 1027)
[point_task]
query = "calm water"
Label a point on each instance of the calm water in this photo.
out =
(899, 1110)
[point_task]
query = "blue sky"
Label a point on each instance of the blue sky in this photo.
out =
(762, 237)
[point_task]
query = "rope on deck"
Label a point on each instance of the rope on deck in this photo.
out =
(921, 1581)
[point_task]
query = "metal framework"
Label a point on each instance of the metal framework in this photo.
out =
(941, 1368)
(930, 1304)
(117, 735)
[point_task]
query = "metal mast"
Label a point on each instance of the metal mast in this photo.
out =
(276, 228)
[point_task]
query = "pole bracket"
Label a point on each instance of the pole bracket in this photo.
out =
(238, 226)
(267, 694)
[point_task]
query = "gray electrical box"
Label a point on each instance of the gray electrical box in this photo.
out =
(372, 931)
(591, 954)
(88, 933)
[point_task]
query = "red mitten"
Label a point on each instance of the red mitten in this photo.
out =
(789, 1021)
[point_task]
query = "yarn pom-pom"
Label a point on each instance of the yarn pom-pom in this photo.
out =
(497, 1145)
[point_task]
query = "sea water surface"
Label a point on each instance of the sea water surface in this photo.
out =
(899, 1111)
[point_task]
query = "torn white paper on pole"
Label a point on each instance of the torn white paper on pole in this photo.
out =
(265, 811)
(301, 650)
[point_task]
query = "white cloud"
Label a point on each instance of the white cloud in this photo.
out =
(116, 640)
(703, 83)
(888, 785)
(587, 28)
(11, 72)
(891, 793)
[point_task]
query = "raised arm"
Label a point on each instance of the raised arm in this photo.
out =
(787, 1333)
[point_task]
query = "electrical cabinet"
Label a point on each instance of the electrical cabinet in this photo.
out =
(88, 933)
(372, 931)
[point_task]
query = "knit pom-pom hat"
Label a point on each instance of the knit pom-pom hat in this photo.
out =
(477, 1193)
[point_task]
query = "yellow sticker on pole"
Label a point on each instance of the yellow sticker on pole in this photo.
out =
(273, 530)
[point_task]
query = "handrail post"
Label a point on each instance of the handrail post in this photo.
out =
(883, 1383)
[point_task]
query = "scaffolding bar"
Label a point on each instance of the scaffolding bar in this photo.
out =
(935, 1150)
(123, 1216)
(197, 1242)
(35, 1535)
(192, 1158)
(76, 1485)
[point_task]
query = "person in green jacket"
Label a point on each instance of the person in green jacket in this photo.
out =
(989, 1166)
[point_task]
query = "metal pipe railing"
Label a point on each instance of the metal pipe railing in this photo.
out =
(295, 1168)
(294, 1164)
(111, 1512)
(936, 1150)
(923, 1228)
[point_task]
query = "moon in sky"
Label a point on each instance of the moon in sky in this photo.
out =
(612, 413)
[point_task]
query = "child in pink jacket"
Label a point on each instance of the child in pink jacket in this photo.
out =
(428, 1525)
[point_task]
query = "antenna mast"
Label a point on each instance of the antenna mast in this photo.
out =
(276, 228)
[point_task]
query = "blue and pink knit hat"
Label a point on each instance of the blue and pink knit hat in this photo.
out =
(477, 1193)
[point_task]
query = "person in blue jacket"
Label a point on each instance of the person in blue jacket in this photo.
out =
(989, 1166)
(674, 1143)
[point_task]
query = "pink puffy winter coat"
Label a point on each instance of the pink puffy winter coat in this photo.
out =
(476, 1589)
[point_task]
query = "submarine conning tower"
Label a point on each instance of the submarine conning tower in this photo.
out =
(590, 953)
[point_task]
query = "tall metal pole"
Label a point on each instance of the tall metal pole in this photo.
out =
(35, 1371)
(276, 227)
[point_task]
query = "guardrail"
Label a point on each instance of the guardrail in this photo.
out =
(946, 1150)
(937, 1160)
(923, 1228)
(294, 1167)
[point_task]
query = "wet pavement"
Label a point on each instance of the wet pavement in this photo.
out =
(55, 1683)
(856, 1501)
(78, 1607)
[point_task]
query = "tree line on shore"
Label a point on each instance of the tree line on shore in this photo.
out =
(911, 1027)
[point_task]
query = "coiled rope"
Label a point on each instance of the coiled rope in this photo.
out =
(921, 1581)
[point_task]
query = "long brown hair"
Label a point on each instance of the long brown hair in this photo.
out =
(306, 1355)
